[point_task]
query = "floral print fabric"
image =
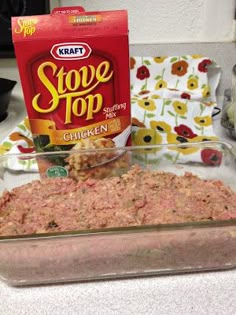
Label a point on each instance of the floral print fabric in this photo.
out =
(20, 141)
(183, 77)
(172, 100)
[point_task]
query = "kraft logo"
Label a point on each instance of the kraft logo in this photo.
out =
(71, 51)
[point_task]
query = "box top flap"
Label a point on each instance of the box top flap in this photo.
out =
(75, 23)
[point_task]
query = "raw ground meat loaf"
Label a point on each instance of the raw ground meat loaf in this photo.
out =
(140, 197)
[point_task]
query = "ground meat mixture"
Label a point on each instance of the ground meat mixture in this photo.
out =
(140, 197)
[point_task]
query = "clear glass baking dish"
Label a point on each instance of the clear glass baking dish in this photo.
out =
(121, 252)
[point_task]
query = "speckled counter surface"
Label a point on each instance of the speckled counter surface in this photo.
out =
(203, 293)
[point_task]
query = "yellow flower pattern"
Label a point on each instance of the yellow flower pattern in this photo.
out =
(159, 59)
(147, 104)
(206, 91)
(161, 84)
(192, 83)
(160, 126)
(176, 139)
(180, 108)
(145, 136)
(203, 121)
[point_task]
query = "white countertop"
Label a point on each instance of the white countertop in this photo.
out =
(201, 293)
(212, 293)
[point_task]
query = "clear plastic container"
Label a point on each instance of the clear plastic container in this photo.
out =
(120, 252)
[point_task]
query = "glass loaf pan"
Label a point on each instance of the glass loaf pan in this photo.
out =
(121, 252)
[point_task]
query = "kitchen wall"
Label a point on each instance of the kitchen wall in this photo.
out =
(172, 27)
(157, 21)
